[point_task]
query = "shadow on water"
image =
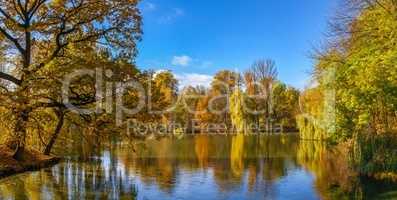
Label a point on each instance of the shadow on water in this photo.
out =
(197, 167)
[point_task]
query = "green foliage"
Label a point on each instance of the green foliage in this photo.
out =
(285, 104)
(165, 84)
(357, 88)
(310, 128)
(357, 76)
(375, 154)
(225, 82)
(311, 122)
(186, 106)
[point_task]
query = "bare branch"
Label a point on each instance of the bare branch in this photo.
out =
(35, 7)
(22, 9)
(17, 10)
(7, 16)
(13, 40)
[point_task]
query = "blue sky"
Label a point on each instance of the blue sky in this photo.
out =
(197, 38)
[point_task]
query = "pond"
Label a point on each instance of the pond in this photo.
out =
(199, 167)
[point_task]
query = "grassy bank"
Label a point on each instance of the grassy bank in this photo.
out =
(32, 161)
(375, 155)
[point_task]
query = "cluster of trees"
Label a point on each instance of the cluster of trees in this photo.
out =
(355, 98)
(41, 43)
(44, 43)
(252, 101)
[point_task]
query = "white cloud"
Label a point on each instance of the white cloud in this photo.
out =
(206, 64)
(159, 71)
(178, 12)
(149, 6)
(171, 16)
(181, 60)
(193, 79)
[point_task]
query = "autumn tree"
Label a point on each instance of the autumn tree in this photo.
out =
(186, 107)
(37, 33)
(222, 86)
(251, 101)
(285, 100)
(238, 114)
(167, 86)
(354, 98)
(259, 80)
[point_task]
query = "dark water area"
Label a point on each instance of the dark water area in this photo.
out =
(200, 167)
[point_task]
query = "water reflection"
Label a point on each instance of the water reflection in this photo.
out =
(194, 167)
(71, 180)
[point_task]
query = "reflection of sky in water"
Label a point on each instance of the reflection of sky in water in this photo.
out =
(106, 162)
(201, 185)
(200, 167)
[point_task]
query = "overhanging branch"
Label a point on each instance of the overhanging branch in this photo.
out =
(12, 39)
(10, 78)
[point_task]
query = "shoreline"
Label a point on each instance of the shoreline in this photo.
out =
(34, 161)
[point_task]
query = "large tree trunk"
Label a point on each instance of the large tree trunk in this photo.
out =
(54, 137)
(18, 142)
(22, 112)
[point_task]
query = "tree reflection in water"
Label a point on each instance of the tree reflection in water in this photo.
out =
(215, 167)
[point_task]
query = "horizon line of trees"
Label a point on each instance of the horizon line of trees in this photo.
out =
(237, 101)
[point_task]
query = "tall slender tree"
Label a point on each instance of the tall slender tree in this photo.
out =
(265, 73)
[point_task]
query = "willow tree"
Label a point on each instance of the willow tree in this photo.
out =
(361, 60)
(252, 101)
(237, 111)
(38, 32)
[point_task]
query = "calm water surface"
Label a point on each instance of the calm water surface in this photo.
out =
(196, 167)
